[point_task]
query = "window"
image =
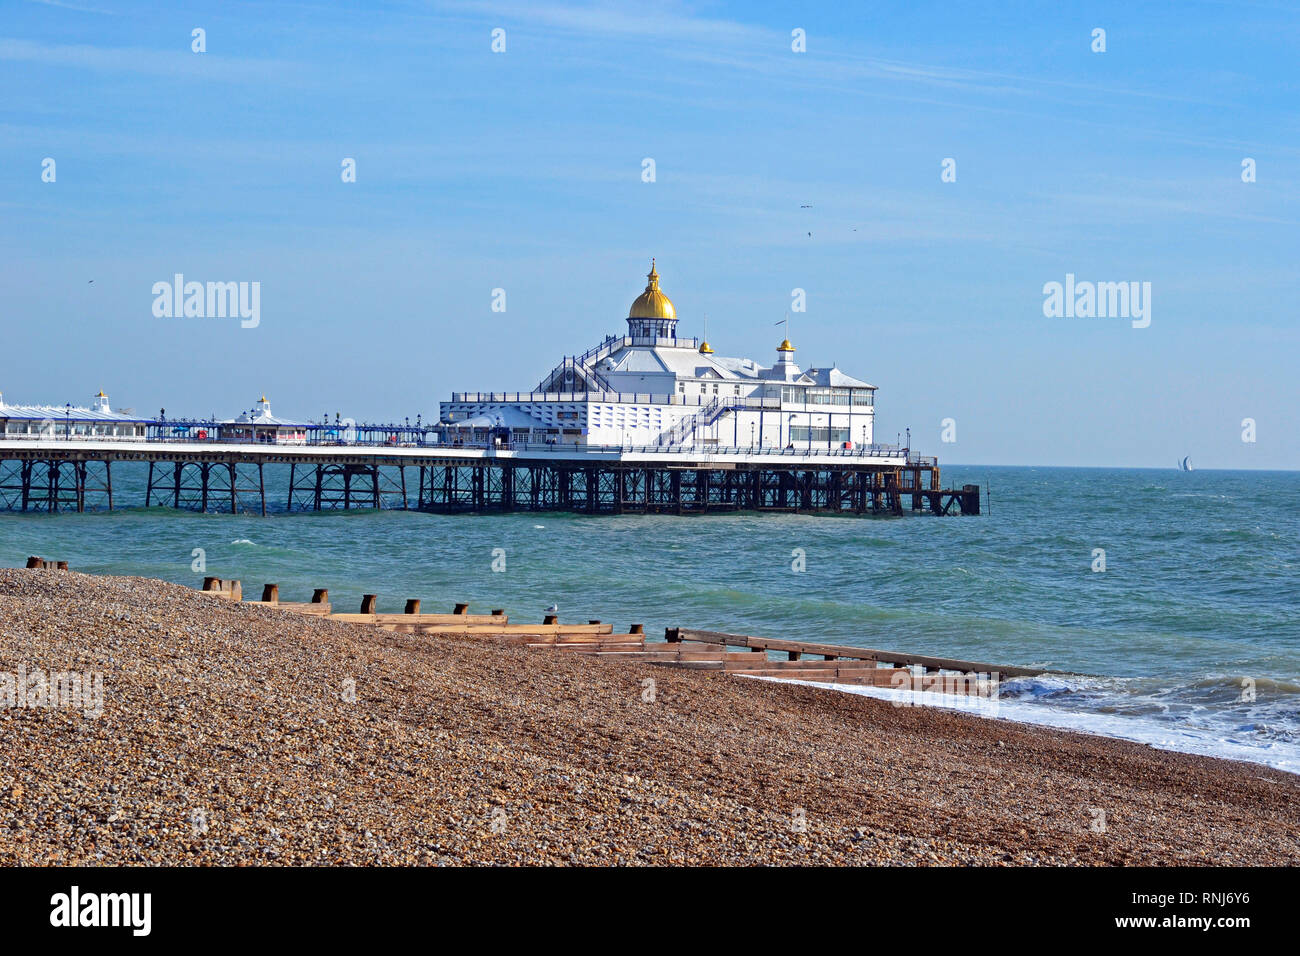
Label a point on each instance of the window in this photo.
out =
(828, 396)
(715, 388)
(819, 436)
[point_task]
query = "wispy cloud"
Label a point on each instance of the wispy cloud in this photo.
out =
(173, 63)
(73, 6)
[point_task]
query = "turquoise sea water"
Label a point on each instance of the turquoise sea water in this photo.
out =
(1201, 589)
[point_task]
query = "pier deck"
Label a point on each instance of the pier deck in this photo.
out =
(49, 475)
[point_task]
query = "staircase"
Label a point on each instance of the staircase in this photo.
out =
(687, 427)
(580, 368)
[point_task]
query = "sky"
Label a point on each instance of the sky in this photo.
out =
(775, 169)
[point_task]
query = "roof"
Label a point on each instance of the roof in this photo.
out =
(60, 413)
(504, 417)
(686, 362)
(268, 421)
(834, 377)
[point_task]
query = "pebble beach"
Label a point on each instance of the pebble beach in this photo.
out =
(242, 735)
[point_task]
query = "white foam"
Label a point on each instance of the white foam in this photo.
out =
(1163, 735)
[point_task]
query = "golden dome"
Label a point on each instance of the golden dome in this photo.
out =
(705, 350)
(652, 304)
(785, 346)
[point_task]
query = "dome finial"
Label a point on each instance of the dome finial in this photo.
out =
(652, 303)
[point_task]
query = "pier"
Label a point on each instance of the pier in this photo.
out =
(51, 474)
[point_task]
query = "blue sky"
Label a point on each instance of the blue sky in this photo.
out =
(522, 171)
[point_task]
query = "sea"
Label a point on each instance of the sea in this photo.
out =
(1169, 600)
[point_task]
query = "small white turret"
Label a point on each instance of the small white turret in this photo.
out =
(100, 402)
(785, 368)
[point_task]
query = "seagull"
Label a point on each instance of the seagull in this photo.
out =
(806, 205)
(553, 609)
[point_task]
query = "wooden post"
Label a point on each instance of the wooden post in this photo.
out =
(498, 612)
(211, 584)
(270, 594)
(550, 619)
(637, 629)
(461, 609)
(368, 603)
(412, 605)
(589, 621)
(320, 596)
(673, 635)
(35, 562)
(61, 566)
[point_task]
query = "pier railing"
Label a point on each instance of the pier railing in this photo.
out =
(638, 398)
(384, 439)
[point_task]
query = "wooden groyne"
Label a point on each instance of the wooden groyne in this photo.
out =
(681, 647)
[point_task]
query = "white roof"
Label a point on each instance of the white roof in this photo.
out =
(505, 417)
(244, 418)
(682, 362)
(836, 378)
(62, 412)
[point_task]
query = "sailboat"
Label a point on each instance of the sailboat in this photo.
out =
(1185, 464)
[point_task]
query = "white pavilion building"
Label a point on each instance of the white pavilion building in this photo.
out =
(651, 388)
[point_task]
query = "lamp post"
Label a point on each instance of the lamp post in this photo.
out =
(67, 420)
